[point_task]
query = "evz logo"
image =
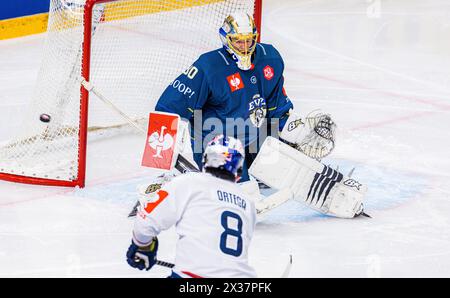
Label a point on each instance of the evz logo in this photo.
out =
(353, 183)
(258, 110)
(294, 124)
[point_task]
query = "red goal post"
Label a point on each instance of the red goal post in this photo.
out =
(114, 44)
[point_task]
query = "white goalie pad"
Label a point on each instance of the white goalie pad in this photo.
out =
(318, 186)
(263, 203)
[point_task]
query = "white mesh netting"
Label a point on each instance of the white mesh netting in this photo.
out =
(138, 48)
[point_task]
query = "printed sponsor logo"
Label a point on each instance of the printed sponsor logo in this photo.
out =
(161, 136)
(254, 80)
(235, 82)
(322, 184)
(268, 72)
(353, 183)
(160, 141)
(153, 187)
(182, 88)
(294, 124)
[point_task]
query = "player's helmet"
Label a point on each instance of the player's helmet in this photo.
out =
(224, 153)
(238, 28)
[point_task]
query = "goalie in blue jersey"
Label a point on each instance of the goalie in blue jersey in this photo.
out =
(237, 90)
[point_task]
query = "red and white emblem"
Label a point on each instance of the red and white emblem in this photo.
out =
(268, 72)
(161, 140)
(235, 82)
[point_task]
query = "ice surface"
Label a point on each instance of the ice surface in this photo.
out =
(381, 68)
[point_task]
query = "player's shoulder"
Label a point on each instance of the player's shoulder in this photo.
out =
(268, 51)
(213, 60)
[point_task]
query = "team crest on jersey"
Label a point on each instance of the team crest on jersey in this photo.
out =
(268, 72)
(258, 110)
(235, 82)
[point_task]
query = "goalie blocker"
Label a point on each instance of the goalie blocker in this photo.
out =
(318, 186)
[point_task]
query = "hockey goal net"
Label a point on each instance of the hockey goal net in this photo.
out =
(130, 50)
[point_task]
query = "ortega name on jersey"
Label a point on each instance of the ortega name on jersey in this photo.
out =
(229, 197)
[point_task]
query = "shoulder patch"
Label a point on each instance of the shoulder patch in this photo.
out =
(268, 72)
(149, 206)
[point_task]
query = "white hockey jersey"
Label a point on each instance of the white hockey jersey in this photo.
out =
(214, 219)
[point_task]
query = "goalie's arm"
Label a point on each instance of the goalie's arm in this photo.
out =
(187, 93)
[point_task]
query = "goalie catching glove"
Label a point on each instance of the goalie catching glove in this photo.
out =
(314, 135)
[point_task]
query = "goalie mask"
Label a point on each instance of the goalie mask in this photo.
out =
(239, 35)
(224, 153)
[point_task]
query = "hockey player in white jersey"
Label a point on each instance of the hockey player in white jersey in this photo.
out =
(212, 215)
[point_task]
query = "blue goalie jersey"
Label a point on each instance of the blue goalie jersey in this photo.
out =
(227, 100)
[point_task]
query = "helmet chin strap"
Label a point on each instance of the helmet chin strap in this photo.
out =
(245, 66)
(238, 61)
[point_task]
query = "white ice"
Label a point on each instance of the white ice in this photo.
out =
(382, 68)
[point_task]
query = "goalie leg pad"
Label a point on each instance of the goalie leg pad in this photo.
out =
(312, 183)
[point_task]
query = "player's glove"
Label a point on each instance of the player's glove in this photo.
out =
(142, 257)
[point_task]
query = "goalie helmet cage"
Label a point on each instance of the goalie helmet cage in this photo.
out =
(130, 50)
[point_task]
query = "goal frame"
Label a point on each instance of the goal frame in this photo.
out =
(80, 181)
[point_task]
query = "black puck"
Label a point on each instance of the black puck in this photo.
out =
(45, 118)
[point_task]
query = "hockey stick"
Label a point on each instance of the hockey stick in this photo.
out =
(90, 88)
(285, 274)
(288, 268)
(164, 264)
